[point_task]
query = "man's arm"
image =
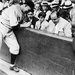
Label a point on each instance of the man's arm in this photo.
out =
(67, 30)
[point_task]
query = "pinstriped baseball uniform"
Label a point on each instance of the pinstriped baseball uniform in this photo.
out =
(9, 18)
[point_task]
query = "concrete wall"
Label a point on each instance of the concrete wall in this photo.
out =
(41, 54)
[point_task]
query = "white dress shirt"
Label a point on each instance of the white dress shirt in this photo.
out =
(41, 26)
(62, 26)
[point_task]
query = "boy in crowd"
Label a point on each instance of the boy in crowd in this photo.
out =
(30, 21)
(37, 9)
(46, 9)
(42, 23)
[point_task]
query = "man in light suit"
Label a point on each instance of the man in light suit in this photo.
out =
(59, 26)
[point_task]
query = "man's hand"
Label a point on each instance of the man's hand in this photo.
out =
(61, 33)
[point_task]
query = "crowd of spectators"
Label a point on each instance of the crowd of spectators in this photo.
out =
(55, 16)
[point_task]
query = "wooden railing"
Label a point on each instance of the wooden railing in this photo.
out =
(40, 50)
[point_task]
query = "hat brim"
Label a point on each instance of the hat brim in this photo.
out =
(44, 5)
(54, 6)
(67, 7)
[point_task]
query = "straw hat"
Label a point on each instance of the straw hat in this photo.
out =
(44, 3)
(54, 5)
(67, 4)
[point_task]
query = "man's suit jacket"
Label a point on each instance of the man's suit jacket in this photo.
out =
(62, 26)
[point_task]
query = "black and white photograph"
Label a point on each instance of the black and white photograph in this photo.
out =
(37, 37)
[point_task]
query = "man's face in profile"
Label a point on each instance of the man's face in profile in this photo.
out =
(54, 18)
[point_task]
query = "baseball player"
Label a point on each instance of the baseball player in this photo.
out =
(10, 18)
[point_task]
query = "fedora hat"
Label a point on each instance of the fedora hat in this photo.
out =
(44, 3)
(67, 5)
(54, 5)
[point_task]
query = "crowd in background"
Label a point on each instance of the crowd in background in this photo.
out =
(54, 16)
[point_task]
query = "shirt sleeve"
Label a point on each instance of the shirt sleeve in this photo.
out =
(13, 18)
(26, 24)
(47, 15)
(37, 25)
(1, 6)
(46, 25)
(51, 27)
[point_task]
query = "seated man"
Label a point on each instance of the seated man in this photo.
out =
(42, 24)
(30, 20)
(59, 26)
(72, 15)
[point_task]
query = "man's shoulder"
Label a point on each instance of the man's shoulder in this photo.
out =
(14, 7)
(45, 22)
(48, 12)
(63, 20)
(38, 21)
(50, 21)
(35, 19)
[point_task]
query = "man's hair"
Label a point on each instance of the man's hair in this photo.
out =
(30, 3)
(42, 14)
(29, 11)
